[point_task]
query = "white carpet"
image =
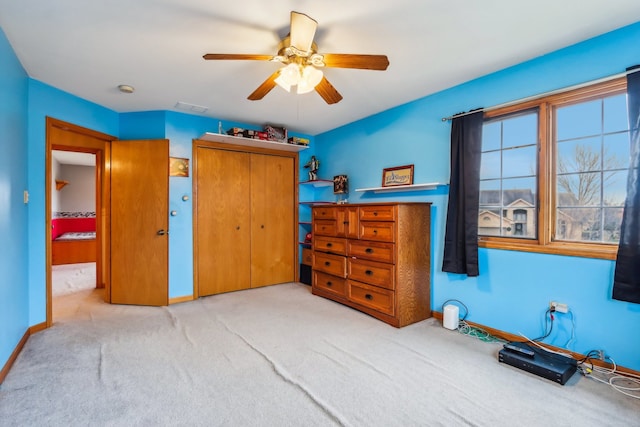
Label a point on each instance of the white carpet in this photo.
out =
(69, 278)
(279, 356)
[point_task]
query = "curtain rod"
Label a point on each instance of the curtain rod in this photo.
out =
(545, 94)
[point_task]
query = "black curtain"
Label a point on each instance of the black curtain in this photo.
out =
(461, 235)
(626, 280)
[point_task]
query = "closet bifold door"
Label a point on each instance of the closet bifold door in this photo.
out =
(224, 221)
(272, 220)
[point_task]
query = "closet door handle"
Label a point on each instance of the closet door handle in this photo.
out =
(162, 232)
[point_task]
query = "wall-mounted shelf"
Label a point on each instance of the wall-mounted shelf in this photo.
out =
(398, 188)
(249, 142)
(318, 183)
(318, 202)
(60, 184)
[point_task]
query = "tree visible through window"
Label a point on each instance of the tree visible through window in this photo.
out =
(554, 171)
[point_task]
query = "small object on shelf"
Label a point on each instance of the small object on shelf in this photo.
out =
(307, 238)
(313, 165)
(278, 134)
(298, 141)
(255, 134)
(235, 131)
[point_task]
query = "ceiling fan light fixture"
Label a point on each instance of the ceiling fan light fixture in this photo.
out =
(311, 76)
(280, 82)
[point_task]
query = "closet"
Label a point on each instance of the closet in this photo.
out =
(245, 215)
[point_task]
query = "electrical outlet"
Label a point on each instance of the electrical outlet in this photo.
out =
(559, 307)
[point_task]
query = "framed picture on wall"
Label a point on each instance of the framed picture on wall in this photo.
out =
(178, 167)
(399, 175)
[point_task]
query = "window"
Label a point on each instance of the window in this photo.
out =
(554, 172)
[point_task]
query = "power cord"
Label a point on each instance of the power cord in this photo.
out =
(612, 377)
(548, 315)
(465, 329)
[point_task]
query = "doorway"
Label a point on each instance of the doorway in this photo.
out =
(71, 140)
(73, 226)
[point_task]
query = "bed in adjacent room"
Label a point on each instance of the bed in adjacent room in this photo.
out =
(74, 240)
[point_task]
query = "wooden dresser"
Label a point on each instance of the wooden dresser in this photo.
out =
(374, 258)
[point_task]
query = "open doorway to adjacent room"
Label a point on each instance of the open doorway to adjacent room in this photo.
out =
(73, 229)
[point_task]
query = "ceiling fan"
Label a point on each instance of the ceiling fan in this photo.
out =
(299, 55)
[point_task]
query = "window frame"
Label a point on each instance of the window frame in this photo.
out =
(546, 174)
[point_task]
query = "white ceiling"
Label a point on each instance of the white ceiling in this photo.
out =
(88, 48)
(73, 158)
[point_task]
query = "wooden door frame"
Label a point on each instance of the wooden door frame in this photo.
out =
(101, 147)
(198, 143)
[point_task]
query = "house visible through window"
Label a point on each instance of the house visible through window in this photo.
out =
(554, 171)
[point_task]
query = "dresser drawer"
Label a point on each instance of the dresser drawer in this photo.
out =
(324, 213)
(330, 244)
(323, 227)
(331, 264)
(375, 273)
(377, 213)
(382, 300)
(380, 231)
(374, 251)
(333, 284)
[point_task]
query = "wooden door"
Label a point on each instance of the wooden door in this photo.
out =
(223, 221)
(272, 220)
(139, 222)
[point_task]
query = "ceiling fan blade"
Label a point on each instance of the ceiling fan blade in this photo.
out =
(237, 56)
(363, 62)
(328, 92)
(303, 29)
(264, 88)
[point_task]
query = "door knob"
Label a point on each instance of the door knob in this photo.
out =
(162, 232)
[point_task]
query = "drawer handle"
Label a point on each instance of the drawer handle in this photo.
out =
(329, 284)
(327, 263)
(368, 272)
(345, 222)
(375, 214)
(369, 250)
(329, 245)
(375, 231)
(369, 297)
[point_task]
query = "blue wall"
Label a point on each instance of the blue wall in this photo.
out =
(514, 288)
(14, 296)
